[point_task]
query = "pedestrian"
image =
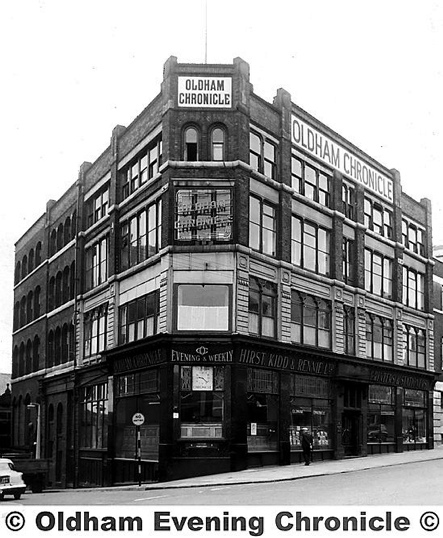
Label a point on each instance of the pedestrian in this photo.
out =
(306, 444)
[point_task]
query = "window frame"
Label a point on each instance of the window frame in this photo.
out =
(150, 299)
(260, 159)
(267, 213)
(266, 295)
(385, 274)
(308, 312)
(299, 248)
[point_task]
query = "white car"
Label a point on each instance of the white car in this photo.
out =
(11, 481)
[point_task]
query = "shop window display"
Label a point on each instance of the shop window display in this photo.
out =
(414, 427)
(263, 408)
(202, 401)
(310, 408)
(381, 414)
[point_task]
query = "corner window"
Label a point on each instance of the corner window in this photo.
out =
(203, 307)
(191, 144)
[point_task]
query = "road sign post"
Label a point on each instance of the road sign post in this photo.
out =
(138, 419)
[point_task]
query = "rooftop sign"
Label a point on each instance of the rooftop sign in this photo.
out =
(338, 157)
(206, 92)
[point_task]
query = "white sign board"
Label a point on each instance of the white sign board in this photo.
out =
(205, 92)
(138, 419)
(338, 157)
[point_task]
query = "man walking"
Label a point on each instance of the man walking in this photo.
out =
(306, 444)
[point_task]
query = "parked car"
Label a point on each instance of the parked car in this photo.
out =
(11, 481)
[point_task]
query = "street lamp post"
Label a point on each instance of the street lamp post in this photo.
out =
(38, 434)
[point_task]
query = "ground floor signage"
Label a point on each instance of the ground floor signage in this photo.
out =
(399, 380)
(138, 361)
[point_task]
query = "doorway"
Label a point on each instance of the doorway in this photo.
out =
(351, 436)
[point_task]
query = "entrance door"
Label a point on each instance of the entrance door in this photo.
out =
(351, 433)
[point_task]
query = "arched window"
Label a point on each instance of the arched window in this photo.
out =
(36, 354)
(50, 349)
(67, 230)
(71, 348)
(15, 362)
(60, 236)
(37, 302)
(31, 260)
(65, 286)
(218, 144)
(72, 281)
(29, 307)
(53, 243)
(24, 266)
(74, 225)
(38, 254)
(16, 324)
(65, 344)
(58, 289)
(28, 361)
(57, 346)
(23, 312)
(51, 294)
(191, 144)
(21, 359)
(18, 272)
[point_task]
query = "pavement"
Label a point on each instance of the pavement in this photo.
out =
(297, 471)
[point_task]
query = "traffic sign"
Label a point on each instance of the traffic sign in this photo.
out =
(138, 419)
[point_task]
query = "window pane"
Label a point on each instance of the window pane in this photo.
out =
(203, 307)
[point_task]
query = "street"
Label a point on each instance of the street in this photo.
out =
(408, 484)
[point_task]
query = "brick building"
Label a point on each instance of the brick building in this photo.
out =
(233, 270)
(438, 337)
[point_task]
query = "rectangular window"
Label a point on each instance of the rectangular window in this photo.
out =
(262, 226)
(203, 215)
(310, 320)
(203, 307)
(96, 263)
(139, 318)
(414, 353)
(379, 338)
(95, 330)
(378, 218)
(348, 198)
(262, 308)
(262, 155)
(94, 416)
(381, 414)
(141, 236)
(413, 237)
(142, 168)
(348, 261)
(413, 288)
(378, 274)
(310, 246)
(97, 206)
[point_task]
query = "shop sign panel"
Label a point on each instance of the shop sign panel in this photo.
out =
(205, 92)
(341, 159)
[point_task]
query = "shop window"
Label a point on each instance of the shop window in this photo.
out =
(310, 181)
(310, 320)
(94, 416)
(139, 318)
(262, 155)
(262, 410)
(379, 338)
(262, 307)
(414, 422)
(381, 414)
(201, 401)
(262, 226)
(95, 330)
(203, 215)
(414, 346)
(203, 307)
(191, 144)
(378, 218)
(96, 263)
(141, 236)
(378, 274)
(310, 408)
(218, 144)
(413, 288)
(310, 246)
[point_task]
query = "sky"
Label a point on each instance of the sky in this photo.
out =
(73, 70)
